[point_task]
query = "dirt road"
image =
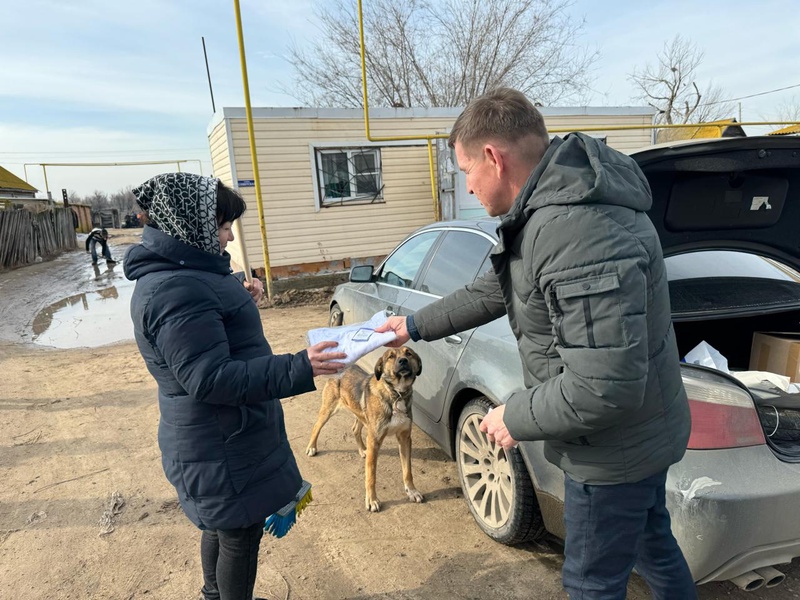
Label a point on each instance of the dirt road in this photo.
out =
(78, 425)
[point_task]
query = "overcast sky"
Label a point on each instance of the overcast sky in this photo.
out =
(100, 81)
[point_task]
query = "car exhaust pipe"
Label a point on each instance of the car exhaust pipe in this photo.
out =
(749, 582)
(772, 577)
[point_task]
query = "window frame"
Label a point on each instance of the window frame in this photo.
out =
(423, 265)
(423, 270)
(315, 146)
(350, 152)
(435, 251)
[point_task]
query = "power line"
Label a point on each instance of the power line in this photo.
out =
(788, 87)
(86, 152)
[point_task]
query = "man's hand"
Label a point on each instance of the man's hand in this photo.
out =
(321, 361)
(494, 428)
(398, 325)
(256, 289)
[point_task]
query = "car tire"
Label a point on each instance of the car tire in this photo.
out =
(495, 482)
(336, 317)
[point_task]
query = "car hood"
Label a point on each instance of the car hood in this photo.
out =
(738, 194)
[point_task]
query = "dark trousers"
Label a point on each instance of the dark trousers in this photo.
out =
(93, 249)
(230, 560)
(613, 528)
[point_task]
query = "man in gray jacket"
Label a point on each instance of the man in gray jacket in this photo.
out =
(580, 274)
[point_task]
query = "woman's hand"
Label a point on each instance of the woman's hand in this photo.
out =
(322, 362)
(256, 289)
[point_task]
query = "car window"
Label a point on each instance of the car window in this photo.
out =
(726, 263)
(487, 264)
(455, 262)
(404, 263)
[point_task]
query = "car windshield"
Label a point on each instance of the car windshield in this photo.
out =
(723, 263)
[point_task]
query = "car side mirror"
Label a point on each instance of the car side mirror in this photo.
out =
(361, 274)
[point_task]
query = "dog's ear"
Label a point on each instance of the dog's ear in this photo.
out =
(379, 368)
(418, 360)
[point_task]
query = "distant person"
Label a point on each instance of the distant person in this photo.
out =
(221, 432)
(99, 236)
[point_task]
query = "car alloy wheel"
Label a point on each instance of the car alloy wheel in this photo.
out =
(336, 317)
(495, 483)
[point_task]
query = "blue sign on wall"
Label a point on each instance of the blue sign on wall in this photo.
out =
(246, 183)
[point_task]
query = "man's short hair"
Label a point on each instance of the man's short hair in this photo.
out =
(503, 114)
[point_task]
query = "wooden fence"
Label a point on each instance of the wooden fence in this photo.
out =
(25, 235)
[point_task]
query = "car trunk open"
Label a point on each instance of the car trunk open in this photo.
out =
(732, 335)
(738, 195)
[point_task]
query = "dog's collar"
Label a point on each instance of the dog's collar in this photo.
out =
(398, 397)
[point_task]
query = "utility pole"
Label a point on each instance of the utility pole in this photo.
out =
(208, 73)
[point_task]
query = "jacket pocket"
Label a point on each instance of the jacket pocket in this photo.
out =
(232, 421)
(586, 312)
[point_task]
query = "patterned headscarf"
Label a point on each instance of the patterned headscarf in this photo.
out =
(184, 206)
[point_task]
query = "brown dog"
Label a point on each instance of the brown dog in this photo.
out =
(382, 404)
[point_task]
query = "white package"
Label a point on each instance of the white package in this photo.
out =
(706, 355)
(354, 340)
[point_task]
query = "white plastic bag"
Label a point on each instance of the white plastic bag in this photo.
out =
(354, 340)
(706, 355)
(753, 378)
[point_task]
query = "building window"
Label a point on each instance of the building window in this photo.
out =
(349, 175)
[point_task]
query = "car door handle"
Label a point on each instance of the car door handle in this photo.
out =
(453, 339)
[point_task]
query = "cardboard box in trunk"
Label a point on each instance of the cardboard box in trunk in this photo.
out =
(776, 352)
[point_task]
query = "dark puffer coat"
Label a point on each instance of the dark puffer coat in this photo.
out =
(580, 273)
(221, 432)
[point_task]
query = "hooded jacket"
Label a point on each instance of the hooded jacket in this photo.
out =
(579, 270)
(221, 430)
(95, 235)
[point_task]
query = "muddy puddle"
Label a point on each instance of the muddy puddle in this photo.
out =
(96, 317)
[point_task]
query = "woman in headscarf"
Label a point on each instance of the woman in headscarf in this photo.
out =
(221, 432)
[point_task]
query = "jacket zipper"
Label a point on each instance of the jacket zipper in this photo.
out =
(587, 314)
(559, 316)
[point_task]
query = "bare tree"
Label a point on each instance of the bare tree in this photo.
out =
(124, 201)
(789, 110)
(442, 52)
(97, 200)
(671, 86)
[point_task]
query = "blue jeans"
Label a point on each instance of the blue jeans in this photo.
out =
(230, 559)
(93, 250)
(613, 528)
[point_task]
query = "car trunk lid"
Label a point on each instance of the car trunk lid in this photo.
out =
(739, 194)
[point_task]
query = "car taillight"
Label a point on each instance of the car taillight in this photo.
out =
(723, 416)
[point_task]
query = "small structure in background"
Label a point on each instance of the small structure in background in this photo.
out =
(31, 229)
(332, 199)
(106, 218)
(713, 129)
(16, 193)
(789, 130)
(82, 217)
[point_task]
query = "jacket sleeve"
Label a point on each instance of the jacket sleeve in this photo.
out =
(88, 239)
(184, 318)
(463, 309)
(593, 276)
